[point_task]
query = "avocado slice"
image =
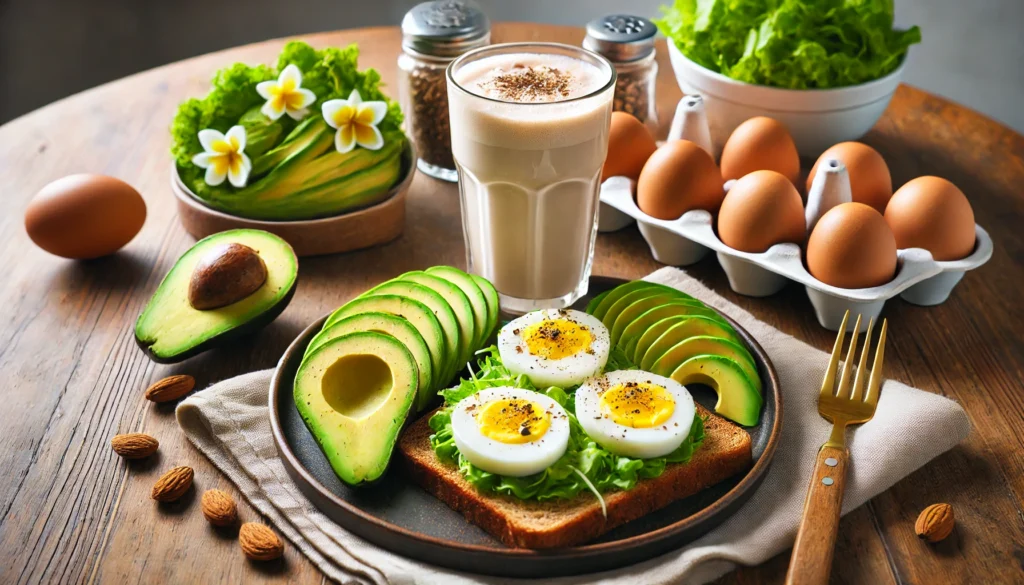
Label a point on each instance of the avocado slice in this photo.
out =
(354, 393)
(493, 308)
(737, 398)
(476, 299)
(622, 290)
(636, 309)
(691, 326)
(459, 303)
(170, 330)
(594, 302)
(397, 327)
(631, 297)
(415, 312)
(707, 345)
(649, 324)
(441, 309)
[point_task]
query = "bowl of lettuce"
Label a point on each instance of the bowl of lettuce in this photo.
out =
(310, 137)
(827, 69)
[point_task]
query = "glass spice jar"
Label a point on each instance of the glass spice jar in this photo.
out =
(433, 34)
(628, 42)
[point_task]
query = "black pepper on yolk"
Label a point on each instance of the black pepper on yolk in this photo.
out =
(513, 421)
(555, 339)
(639, 405)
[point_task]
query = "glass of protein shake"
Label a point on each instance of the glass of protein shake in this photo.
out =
(529, 125)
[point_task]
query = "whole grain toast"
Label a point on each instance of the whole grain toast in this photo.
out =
(559, 523)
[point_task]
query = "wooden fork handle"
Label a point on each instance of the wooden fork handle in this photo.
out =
(811, 562)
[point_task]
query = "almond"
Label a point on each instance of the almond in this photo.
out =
(219, 508)
(259, 542)
(170, 388)
(935, 522)
(173, 484)
(134, 445)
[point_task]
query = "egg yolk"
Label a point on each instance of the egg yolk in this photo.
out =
(638, 405)
(514, 421)
(555, 339)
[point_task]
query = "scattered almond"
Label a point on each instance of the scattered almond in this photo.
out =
(935, 522)
(170, 388)
(173, 484)
(219, 508)
(259, 542)
(134, 445)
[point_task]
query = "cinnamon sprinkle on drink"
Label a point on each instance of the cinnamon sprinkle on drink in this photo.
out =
(531, 84)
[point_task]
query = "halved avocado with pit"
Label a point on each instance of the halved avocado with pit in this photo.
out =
(395, 326)
(737, 398)
(170, 329)
(354, 393)
(707, 345)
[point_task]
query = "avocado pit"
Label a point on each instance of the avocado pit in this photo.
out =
(226, 274)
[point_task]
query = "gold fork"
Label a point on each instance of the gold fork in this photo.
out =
(812, 553)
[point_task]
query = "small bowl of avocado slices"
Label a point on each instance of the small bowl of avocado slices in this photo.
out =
(226, 286)
(309, 148)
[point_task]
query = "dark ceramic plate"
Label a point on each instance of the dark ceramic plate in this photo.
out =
(399, 516)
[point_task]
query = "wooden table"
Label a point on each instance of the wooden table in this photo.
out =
(72, 511)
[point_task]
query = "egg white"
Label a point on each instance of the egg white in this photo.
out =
(544, 372)
(628, 441)
(514, 460)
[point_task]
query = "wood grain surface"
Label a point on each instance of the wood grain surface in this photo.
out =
(72, 511)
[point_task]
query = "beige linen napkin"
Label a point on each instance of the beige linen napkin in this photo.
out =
(229, 423)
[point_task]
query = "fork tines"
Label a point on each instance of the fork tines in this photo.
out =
(857, 392)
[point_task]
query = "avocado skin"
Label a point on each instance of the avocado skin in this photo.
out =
(247, 329)
(175, 285)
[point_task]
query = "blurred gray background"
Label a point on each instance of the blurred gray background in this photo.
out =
(973, 51)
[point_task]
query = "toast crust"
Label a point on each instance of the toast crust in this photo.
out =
(517, 523)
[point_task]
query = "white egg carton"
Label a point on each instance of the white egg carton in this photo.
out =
(679, 242)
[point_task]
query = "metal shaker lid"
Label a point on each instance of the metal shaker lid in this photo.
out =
(445, 28)
(621, 37)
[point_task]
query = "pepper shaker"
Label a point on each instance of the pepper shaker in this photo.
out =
(433, 34)
(628, 42)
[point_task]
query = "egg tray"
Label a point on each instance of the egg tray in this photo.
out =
(680, 242)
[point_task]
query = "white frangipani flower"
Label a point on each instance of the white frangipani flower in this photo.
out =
(224, 156)
(356, 122)
(286, 95)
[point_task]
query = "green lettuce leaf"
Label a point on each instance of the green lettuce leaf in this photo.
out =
(605, 470)
(796, 44)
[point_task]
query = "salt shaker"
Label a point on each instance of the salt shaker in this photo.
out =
(628, 42)
(433, 34)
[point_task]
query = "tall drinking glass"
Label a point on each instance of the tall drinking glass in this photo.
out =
(529, 125)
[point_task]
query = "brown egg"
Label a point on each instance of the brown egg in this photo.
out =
(762, 209)
(85, 216)
(760, 144)
(678, 177)
(870, 180)
(630, 144)
(852, 247)
(932, 213)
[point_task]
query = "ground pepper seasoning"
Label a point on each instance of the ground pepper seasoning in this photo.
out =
(433, 34)
(628, 42)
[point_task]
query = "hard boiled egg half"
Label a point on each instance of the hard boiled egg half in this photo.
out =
(510, 431)
(555, 347)
(634, 413)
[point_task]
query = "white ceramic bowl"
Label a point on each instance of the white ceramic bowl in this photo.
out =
(817, 118)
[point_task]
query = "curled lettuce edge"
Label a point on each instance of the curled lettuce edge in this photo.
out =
(585, 465)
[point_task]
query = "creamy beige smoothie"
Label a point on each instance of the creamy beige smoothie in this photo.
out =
(529, 136)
